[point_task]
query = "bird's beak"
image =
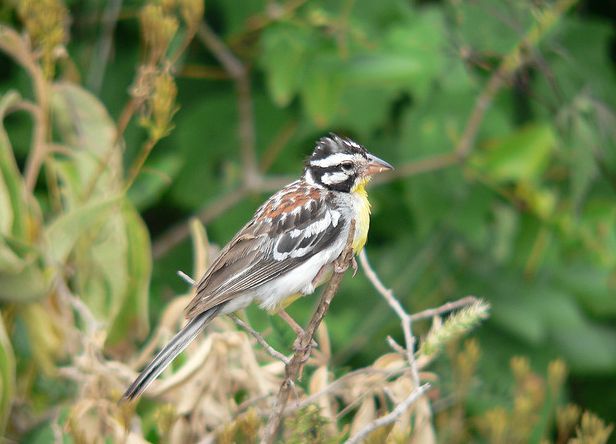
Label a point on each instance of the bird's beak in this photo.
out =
(377, 165)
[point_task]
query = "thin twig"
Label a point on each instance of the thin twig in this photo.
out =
(240, 74)
(137, 165)
(445, 308)
(272, 151)
(390, 417)
(437, 162)
(303, 345)
(17, 47)
(96, 73)
(405, 318)
(260, 339)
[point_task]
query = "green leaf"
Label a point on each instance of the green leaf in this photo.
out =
(591, 286)
(521, 314)
(521, 156)
(587, 347)
(284, 50)
(155, 180)
(63, 233)
(6, 208)
(491, 27)
(10, 262)
(7, 376)
(82, 120)
(382, 69)
(87, 131)
(131, 319)
(28, 284)
(207, 149)
(414, 51)
(321, 87)
(17, 218)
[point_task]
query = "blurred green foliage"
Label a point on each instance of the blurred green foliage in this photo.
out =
(525, 217)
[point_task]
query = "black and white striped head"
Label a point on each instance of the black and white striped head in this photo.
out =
(340, 164)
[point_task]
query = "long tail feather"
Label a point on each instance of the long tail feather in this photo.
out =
(169, 352)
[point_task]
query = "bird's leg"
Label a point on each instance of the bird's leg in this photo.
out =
(354, 265)
(299, 331)
(292, 322)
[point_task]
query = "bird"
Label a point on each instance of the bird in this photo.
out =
(287, 249)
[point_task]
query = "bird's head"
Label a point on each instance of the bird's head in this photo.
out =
(340, 164)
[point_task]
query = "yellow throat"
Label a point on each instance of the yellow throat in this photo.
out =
(363, 216)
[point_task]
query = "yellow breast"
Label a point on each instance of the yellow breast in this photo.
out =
(362, 222)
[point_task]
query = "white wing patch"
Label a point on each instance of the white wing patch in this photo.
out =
(330, 219)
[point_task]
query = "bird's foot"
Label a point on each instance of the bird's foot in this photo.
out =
(354, 265)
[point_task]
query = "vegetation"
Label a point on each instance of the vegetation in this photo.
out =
(129, 128)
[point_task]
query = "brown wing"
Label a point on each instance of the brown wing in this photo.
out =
(267, 247)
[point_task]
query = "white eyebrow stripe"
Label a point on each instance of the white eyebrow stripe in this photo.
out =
(334, 159)
(331, 178)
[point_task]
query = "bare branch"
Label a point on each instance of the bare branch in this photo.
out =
(445, 308)
(390, 417)
(303, 344)
(260, 339)
(405, 318)
(241, 76)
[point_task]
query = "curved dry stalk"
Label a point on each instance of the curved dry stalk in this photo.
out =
(405, 318)
(16, 47)
(260, 339)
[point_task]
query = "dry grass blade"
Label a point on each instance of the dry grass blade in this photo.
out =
(390, 417)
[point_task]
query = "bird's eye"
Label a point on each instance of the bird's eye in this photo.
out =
(346, 166)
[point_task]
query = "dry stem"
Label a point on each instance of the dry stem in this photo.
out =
(260, 339)
(390, 417)
(405, 318)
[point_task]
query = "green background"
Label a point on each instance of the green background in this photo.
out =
(526, 221)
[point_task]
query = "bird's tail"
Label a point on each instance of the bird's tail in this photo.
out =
(169, 352)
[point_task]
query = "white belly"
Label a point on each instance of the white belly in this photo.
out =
(300, 280)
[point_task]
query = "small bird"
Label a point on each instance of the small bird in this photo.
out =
(287, 249)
